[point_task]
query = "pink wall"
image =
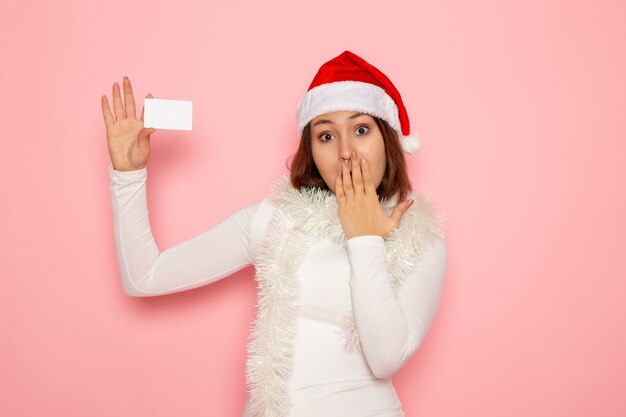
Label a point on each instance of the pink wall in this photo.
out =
(521, 108)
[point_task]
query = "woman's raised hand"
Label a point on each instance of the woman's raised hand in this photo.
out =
(127, 139)
(360, 210)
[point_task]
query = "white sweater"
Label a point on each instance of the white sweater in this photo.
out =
(330, 377)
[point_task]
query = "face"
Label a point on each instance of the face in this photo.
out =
(335, 135)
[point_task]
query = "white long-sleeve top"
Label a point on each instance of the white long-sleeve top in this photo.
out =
(327, 379)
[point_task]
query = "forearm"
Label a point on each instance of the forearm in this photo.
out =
(392, 325)
(383, 331)
(136, 249)
(205, 258)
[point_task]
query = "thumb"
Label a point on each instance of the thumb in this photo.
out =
(400, 209)
(146, 132)
(144, 135)
(149, 95)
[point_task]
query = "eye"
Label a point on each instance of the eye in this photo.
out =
(321, 137)
(363, 127)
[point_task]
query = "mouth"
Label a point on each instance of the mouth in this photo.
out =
(340, 172)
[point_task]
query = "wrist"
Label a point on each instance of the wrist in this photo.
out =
(365, 237)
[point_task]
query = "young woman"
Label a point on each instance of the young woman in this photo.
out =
(349, 271)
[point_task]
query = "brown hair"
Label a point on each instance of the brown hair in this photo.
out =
(304, 172)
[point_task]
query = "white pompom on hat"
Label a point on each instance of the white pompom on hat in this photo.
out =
(348, 82)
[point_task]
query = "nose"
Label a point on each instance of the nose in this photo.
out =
(345, 150)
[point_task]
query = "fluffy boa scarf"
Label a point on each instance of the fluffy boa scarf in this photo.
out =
(303, 216)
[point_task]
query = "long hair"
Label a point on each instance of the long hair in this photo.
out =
(304, 172)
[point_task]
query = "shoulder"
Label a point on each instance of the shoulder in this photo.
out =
(437, 253)
(426, 213)
(419, 237)
(263, 214)
(422, 224)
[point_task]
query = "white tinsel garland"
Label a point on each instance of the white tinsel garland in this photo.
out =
(301, 217)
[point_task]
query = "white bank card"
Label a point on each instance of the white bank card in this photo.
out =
(167, 114)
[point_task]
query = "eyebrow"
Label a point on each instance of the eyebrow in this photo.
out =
(354, 116)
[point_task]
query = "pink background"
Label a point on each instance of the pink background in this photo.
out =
(521, 107)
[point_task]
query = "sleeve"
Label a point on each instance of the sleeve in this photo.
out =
(205, 258)
(390, 327)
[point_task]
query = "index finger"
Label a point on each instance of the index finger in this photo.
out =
(106, 112)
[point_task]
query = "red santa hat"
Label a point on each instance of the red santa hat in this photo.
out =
(348, 82)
